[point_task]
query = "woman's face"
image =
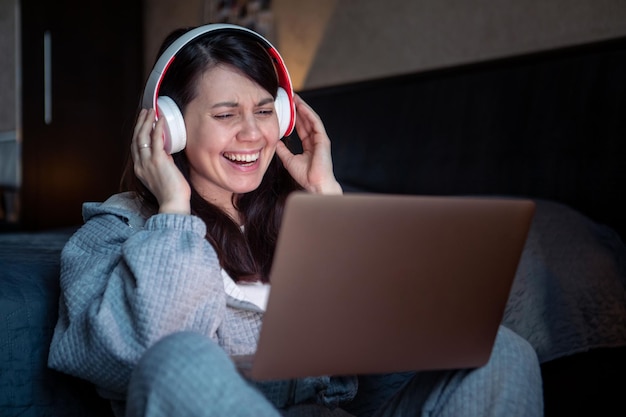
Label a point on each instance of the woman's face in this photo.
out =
(232, 132)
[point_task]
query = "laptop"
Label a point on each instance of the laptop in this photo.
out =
(377, 283)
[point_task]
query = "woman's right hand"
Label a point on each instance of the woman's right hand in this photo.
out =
(156, 168)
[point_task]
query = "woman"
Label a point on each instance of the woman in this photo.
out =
(164, 281)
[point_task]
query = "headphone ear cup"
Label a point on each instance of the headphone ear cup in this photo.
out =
(282, 104)
(174, 130)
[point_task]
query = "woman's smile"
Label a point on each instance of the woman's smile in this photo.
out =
(242, 159)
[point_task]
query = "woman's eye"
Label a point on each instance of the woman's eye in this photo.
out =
(223, 116)
(265, 112)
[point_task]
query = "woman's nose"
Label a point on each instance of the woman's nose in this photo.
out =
(249, 128)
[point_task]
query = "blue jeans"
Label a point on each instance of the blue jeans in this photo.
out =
(186, 374)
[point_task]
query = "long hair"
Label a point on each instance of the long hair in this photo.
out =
(245, 254)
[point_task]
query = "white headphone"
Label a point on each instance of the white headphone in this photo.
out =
(175, 132)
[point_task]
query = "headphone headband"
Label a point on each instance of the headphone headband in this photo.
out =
(151, 91)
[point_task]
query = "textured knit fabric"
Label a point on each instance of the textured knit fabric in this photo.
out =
(509, 385)
(185, 374)
(129, 278)
(188, 375)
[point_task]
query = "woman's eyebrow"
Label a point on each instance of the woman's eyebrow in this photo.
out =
(233, 104)
(266, 101)
(224, 104)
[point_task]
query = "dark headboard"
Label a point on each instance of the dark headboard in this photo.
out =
(550, 125)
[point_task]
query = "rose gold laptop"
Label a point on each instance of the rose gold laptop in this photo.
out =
(370, 283)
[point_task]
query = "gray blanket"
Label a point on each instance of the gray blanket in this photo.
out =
(569, 294)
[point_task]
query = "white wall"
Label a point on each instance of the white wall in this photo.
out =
(329, 42)
(368, 39)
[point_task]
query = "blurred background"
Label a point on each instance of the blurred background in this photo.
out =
(72, 71)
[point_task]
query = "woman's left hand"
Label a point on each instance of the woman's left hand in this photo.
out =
(313, 168)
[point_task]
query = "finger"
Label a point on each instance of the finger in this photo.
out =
(144, 137)
(311, 127)
(134, 147)
(303, 115)
(157, 143)
(284, 153)
(140, 118)
(303, 107)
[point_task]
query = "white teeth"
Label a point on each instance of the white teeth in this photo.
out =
(242, 158)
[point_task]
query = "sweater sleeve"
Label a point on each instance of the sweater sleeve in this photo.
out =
(122, 289)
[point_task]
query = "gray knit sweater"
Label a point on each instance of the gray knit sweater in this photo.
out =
(129, 278)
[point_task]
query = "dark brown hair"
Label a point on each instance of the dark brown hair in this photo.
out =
(244, 255)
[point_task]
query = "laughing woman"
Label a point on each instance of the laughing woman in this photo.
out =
(162, 282)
